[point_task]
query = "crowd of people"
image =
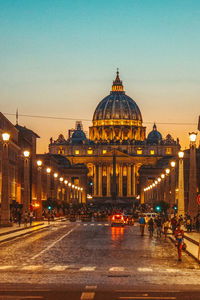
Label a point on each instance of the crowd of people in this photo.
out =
(162, 224)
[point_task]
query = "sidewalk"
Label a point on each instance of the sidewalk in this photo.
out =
(191, 240)
(10, 233)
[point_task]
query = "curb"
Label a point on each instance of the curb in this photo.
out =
(186, 251)
(23, 234)
(20, 229)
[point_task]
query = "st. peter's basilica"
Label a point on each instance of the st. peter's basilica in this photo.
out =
(120, 158)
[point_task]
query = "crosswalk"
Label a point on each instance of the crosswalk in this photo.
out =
(82, 269)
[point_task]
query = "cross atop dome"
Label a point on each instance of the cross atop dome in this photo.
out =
(117, 84)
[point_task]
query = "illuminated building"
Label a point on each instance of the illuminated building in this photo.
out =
(117, 153)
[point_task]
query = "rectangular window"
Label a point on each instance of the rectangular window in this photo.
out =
(104, 151)
(152, 152)
(168, 150)
(90, 152)
(77, 152)
(139, 151)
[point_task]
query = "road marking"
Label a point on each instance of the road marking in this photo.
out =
(149, 298)
(85, 224)
(116, 269)
(6, 267)
(106, 224)
(92, 224)
(87, 268)
(87, 296)
(5, 297)
(53, 244)
(171, 270)
(99, 224)
(91, 287)
(59, 268)
(31, 267)
(144, 269)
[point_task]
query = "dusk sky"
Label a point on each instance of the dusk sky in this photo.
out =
(58, 58)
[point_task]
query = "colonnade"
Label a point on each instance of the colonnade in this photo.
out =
(100, 170)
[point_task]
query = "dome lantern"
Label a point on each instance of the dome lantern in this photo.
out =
(117, 84)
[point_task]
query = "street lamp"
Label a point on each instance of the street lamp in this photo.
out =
(167, 171)
(55, 175)
(26, 200)
(5, 201)
(192, 204)
(48, 170)
(173, 163)
(181, 201)
(39, 190)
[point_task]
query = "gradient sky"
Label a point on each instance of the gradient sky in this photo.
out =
(59, 57)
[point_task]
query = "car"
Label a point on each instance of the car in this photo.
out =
(117, 219)
(150, 215)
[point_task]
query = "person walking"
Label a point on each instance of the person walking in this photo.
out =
(166, 226)
(179, 235)
(151, 227)
(19, 215)
(142, 224)
(25, 218)
(31, 217)
(158, 223)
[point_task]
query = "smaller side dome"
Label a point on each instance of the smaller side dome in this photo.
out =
(78, 137)
(154, 137)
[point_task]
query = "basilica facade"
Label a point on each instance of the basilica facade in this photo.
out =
(119, 156)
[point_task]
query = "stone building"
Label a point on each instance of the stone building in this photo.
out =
(117, 152)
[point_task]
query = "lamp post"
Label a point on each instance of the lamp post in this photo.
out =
(55, 191)
(39, 189)
(5, 201)
(166, 188)
(48, 170)
(26, 200)
(181, 200)
(192, 205)
(173, 184)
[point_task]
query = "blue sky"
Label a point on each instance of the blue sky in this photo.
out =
(60, 57)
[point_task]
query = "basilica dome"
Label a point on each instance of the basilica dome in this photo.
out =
(117, 117)
(154, 137)
(117, 106)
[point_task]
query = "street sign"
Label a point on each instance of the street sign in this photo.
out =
(198, 199)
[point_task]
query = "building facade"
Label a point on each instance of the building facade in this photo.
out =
(117, 149)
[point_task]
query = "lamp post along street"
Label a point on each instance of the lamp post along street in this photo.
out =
(181, 200)
(26, 200)
(5, 201)
(39, 189)
(192, 205)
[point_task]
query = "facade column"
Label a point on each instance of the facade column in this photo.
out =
(129, 181)
(142, 189)
(120, 180)
(100, 181)
(108, 181)
(133, 181)
(95, 181)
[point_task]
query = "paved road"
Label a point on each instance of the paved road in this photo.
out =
(95, 260)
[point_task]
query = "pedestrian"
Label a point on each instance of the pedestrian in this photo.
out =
(19, 215)
(173, 224)
(31, 217)
(166, 226)
(158, 223)
(189, 224)
(151, 227)
(142, 224)
(25, 218)
(179, 235)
